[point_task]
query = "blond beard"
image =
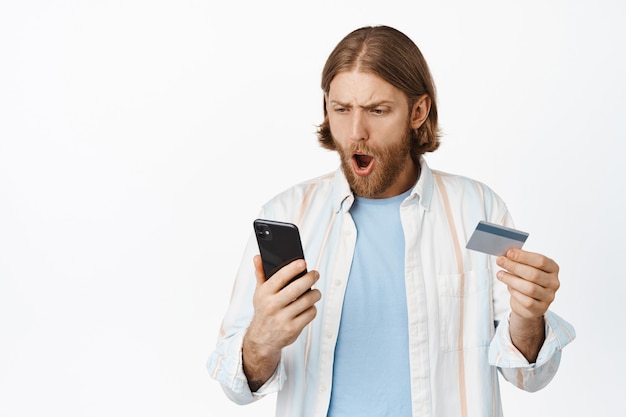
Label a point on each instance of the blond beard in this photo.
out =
(391, 162)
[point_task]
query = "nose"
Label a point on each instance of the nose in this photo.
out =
(358, 128)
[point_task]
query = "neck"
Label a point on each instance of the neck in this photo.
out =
(407, 179)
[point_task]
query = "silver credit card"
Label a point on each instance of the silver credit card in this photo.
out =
(495, 239)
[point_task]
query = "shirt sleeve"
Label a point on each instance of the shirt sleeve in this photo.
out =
(225, 363)
(514, 366)
(225, 366)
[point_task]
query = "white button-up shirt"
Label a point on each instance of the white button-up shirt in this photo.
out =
(457, 309)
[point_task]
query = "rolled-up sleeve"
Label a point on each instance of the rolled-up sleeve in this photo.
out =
(226, 366)
(515, 367)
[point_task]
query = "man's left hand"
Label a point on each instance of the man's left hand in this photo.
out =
(532, 280)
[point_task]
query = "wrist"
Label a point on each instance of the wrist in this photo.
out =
(258, 361)
(526, 327)
(255, 350)
(527, 335)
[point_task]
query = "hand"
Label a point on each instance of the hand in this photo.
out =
(532, 280)
(281, 311)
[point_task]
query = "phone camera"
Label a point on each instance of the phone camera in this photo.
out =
(263, 231)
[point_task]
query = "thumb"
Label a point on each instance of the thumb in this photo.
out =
(258, 270)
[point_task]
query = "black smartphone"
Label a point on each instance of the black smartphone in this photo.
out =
(279, 244)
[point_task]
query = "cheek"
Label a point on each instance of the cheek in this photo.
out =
(395, 133)
(338, 129)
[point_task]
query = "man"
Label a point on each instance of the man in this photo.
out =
(402, 319)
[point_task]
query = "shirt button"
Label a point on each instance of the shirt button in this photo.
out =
(323, 388)
(329, 335)
(337, 282)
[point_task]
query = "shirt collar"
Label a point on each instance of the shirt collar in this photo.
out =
(425, 185)
(342, 194)
(343, 198)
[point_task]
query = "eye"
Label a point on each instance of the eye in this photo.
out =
(378, 111)
(339, 109)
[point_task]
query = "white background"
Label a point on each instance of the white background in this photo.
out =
(139, 138)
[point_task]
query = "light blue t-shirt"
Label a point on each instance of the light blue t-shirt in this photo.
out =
(371, 368)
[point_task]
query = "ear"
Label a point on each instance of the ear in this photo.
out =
(420, 110)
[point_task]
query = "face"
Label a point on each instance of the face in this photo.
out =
(370, 124)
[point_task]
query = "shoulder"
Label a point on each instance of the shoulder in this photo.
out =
(470, 195)
(316, 193)
(318, 185)
(460, 184)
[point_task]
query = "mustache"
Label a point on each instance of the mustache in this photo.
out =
(362, 149)
(350, 150)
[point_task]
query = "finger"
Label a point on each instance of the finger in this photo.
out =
(523, 286)
(535, 260)
(298, 313)
(304, 302)
(258, 270)
(526, 272)
(304, 318)
(282, 277)
(300, 321)
(300, 286)
(526, 306)
(531, 273)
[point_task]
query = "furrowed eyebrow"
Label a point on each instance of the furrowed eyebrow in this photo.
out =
(366, 106)
(376, 104)
(338, 103)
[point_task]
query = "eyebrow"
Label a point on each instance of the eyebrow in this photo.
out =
(366, 106)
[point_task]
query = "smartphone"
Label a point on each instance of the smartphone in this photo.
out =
(279, 244)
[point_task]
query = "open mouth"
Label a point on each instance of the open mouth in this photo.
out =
(363, 161)
(363, 164)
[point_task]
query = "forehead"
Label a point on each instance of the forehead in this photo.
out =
(362, 88)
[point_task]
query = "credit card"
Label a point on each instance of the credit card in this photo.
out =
(495, 239)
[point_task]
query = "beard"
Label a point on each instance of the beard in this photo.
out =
(391, 161)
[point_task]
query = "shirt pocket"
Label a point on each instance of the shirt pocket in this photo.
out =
(465, 310)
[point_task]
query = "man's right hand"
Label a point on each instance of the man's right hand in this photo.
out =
(281, 311)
